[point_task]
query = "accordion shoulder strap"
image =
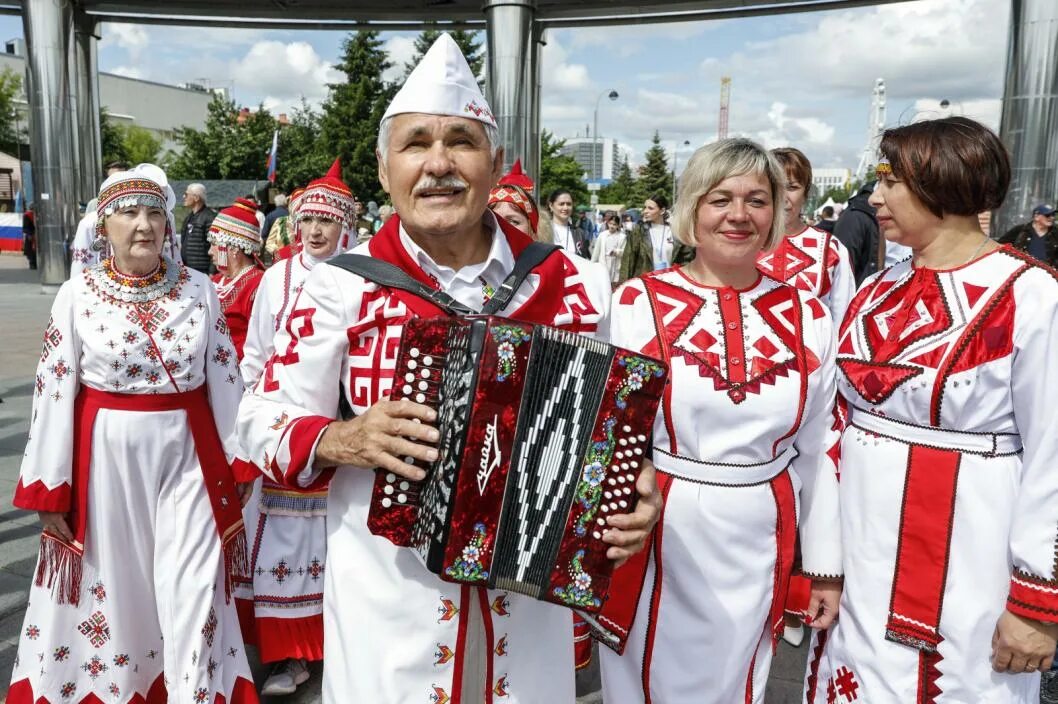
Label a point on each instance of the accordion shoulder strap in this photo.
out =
(530, 258)
(391, 276)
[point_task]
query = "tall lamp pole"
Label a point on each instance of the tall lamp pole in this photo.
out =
(675, 160)
(612, 95)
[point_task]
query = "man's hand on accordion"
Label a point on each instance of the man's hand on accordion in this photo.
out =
(628, 532)
(382, 437)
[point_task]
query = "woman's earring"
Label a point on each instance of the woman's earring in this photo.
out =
(99, 243)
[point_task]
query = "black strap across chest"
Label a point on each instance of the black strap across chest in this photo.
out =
(391, 276)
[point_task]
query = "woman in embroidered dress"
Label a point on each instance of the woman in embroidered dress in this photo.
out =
(281, 607)
(235, 242)
(609, 247)
(949, 494)
(738, 445)
(142, 528)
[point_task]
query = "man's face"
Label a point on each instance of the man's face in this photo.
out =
(438, 171)
(1044, 221)
(190, 199)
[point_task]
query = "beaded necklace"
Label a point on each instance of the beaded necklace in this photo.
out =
(108, 281)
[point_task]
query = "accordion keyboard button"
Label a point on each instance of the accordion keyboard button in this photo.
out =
(427, 360)
(639, 450)
(596, 534)
(387, 502)
(419, 398)
(404, 486)
(601, 521)
(618, 455)
(414, 352)
(622, 503)
(412, 364)
(608, 494)
(633, 464)
(622, 442)
(627, 429)
(423, 386)
(391, 477)
(407, 460)
(387, 489)
(409, 377)
(406, 390)
(642, 438)
(402, 498)
(605, 507)
(425, 373)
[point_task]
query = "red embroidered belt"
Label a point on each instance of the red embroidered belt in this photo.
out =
(926, 518)
(60, 561)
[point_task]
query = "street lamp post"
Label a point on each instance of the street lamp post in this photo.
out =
(612, 95)
(675, 160)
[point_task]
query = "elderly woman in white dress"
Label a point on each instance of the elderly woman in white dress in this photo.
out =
(128, 466)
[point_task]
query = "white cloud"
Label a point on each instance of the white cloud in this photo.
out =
(785, 130)
(132, 38)
(285, 72)
(401, 50)
(563, 80)
(127, 71)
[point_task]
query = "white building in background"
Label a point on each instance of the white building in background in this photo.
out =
(606, 155)
(825, 179)
(156, 107)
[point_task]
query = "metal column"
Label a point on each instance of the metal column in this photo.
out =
(48, 28)
(86, 72)
(509, 23)
(533, 80)
(1030, 110)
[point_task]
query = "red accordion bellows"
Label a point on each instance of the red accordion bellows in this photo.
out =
(543, 434)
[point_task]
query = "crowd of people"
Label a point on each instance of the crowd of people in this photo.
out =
(863, 448)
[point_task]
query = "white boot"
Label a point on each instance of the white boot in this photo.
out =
(285, 677)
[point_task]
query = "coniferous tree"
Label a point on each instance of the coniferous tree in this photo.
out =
(558, 170)
(622, 189)
(353, 110)
(469, 43)
(654, 175)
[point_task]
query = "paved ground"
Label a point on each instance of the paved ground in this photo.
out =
(23, 315)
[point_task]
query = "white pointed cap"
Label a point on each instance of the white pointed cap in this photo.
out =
(442, 84)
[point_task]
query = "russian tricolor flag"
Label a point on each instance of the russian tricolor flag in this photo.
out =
(272, 157)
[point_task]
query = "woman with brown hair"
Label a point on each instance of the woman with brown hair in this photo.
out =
(949, 495)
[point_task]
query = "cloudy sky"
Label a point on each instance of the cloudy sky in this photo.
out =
(803, 79)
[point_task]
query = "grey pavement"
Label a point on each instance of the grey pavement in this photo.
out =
(24, 311)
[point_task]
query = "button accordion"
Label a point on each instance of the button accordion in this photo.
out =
(542, 436)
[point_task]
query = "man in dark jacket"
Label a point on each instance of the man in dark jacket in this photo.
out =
(826, 220)
(857, 229)
(1038, 237)
(193, 244)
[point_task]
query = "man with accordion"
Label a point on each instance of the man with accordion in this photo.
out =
(394, 631)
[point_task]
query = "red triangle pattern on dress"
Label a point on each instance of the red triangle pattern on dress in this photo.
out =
(973, 292)
(876, 381)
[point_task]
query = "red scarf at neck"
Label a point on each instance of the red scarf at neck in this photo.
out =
(543, 306)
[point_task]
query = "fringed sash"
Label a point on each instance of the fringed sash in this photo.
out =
(61, 562)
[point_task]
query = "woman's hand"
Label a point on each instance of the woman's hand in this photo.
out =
(823, 604)
(382, 437)
(628, 532)
(55, 523)
(1020, 644)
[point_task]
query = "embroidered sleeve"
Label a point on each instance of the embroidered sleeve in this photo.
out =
(631, 322)
(47, 466)
(820, 526)
(281, 420)
(1034, 379)
(82, 256)
(843, 281)
(224, 384)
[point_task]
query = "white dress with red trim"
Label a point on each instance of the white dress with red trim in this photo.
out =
(394, 632)
(136, 608)
(236, 300)
(816, 261)
(281, 604)
(949, 498)
(738, 445)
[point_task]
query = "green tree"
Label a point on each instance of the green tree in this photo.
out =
(353, 110)
(111, 139)
(10, 87)
(301, 158)
(623, 187)
(141, 146)
(654, 175)
(232, 145)
(469, 43)
(558, 170)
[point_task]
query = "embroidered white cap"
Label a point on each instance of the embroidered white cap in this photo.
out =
(442, 84)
